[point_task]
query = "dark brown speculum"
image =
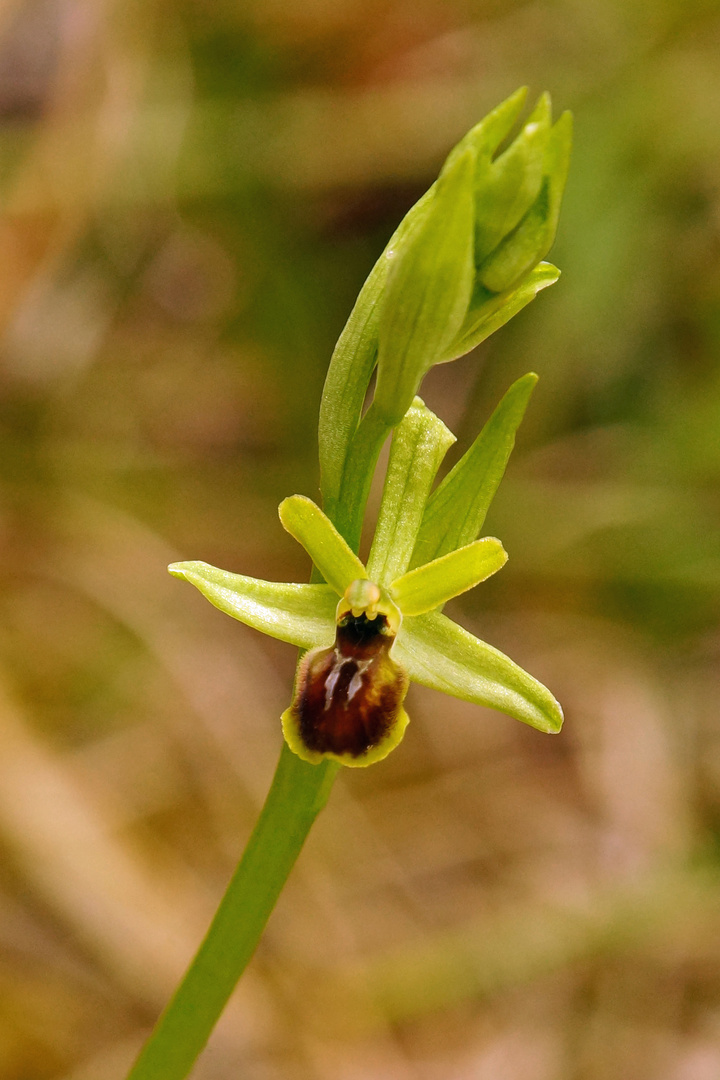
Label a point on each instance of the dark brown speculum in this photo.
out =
(348, 696)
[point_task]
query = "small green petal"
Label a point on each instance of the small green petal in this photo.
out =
(306, 522)
(434, 584)
(438, 653)
(418, 446)
(303, 615)
(456, 510)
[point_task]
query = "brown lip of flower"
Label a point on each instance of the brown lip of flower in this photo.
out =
(349, 697)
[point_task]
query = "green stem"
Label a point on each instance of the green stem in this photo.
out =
(298, 793)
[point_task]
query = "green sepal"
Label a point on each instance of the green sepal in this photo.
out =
(489, 311)
(428, 289)
(306, 522)
(531, 240)
(511, 183)
(303, 615)
(438, 653)
(456, 510)
(419, 444)
(432, 585)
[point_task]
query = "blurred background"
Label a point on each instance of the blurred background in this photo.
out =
(192, 194)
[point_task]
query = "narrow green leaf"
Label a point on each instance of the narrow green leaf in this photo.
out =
(456, 510)
(511, 183)
(306, 522)
(419, 444)
(434, 584)
(428, 290)
(303, 615)
(438, 653)
(489, 311)
(531, 240)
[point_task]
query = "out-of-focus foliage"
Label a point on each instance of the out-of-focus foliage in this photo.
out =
(192, 194)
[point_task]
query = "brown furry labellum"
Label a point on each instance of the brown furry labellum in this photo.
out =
(348, 699)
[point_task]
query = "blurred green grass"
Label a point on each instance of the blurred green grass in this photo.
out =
(192, 195)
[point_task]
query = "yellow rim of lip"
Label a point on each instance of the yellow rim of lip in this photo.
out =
(394, 736)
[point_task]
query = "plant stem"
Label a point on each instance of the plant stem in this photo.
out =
(298, 793)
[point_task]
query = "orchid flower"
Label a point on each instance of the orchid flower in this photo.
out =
(371, 629)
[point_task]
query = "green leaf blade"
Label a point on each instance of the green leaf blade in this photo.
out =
(303, 615)
(438, 653)
(456, 510)
(432, 585)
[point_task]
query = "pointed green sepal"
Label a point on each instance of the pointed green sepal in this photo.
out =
(303, 615)
(428, 289)
(432, 585)
(456, 510)
(438, 653)
(306, 522)
(419, 444)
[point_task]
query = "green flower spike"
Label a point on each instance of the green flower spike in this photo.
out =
(463, 261)
(370, 631)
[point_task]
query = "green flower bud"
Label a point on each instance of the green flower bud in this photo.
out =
(532, 238)
(469, 261)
